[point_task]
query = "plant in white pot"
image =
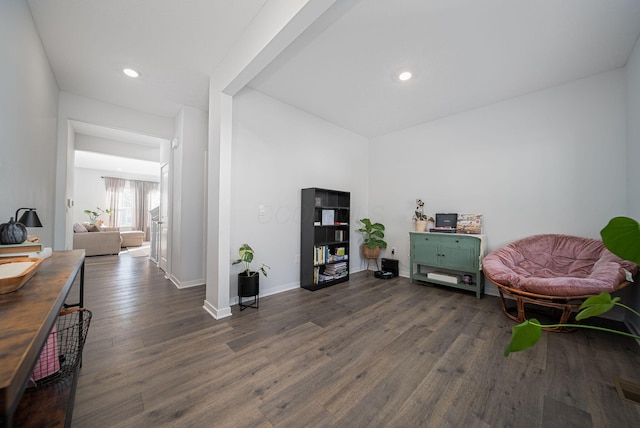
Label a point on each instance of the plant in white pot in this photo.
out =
(421, 219)
(248, 280)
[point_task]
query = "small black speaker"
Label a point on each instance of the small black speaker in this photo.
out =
(390, 265)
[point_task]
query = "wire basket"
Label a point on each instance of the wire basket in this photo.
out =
(62, 352)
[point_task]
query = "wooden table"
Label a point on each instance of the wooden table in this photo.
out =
(27, 316)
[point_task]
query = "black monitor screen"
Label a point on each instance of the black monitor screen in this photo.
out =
(447, 220)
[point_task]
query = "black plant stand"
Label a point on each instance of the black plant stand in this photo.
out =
(249, 286)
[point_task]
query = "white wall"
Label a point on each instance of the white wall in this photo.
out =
(90, 143)
(188, 206)
(28, 111)
(277, 151)
(633, 152)
(552, 161)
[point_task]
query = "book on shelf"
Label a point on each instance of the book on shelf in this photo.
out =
(320, 254)
(323, 278)
(338, 273)
(330, 276)
(328, 217)
(333, 258)
(337, 267)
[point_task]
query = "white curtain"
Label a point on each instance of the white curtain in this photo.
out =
(141, 204)
(115, 187)
(141, 195)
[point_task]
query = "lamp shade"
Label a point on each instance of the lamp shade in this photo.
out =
(29, 218)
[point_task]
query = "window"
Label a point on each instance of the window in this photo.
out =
(131, 200)
(125, 206)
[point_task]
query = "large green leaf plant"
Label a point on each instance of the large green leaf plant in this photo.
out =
(373, 234)
(622, 237)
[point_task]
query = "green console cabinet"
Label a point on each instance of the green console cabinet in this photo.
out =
(450, 259)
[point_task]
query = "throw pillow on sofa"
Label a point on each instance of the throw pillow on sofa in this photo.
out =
(79, 228)
(93, 228)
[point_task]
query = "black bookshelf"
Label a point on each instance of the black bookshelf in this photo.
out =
(324, 238)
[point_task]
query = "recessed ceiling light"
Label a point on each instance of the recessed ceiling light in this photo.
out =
(130, 72)
(404, 76)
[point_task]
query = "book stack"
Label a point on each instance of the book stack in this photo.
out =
(335, 271)
(339, 254)
(26, 249)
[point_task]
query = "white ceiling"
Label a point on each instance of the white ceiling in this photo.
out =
(464, 53)
(175, 44)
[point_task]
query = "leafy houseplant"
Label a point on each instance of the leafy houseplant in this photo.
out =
(622, 237)
(93, 215)
(373, 238)
(246, 253)
(373, 234)
(248, 280)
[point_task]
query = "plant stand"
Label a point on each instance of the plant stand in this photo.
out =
(371, 254)
(249, 286)
(375, 259)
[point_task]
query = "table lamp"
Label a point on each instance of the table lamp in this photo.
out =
(29, 218)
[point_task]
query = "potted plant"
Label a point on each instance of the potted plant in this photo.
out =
(420, 217)
(373, 238)
(248, 280)
(93, 215)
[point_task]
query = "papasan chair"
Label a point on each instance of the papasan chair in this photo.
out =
(554, 271)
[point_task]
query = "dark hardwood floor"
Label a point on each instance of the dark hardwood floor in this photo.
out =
(366, 353)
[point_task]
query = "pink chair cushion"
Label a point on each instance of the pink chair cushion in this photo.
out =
(557, 265)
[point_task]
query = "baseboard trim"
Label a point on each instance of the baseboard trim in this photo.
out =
(187, 284)
(215, 312)
(233, 300)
